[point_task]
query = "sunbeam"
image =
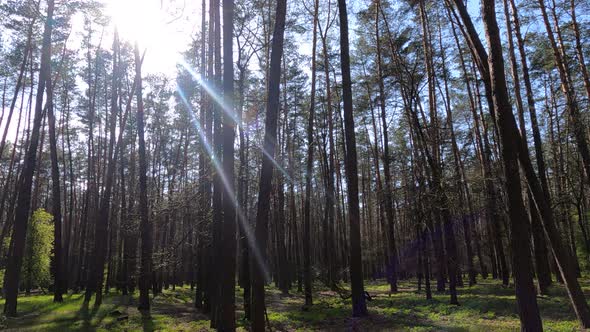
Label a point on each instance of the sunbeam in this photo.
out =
(228, 111)
(216, 163)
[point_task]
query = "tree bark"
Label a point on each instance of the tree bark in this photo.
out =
(259, 265)
(227, 312)
(542, 264)
(561, 253)
(520, 232)
(389, 209)
(359, 305)
(145, 269)
(56, 198)
(309, 169)
(13, 267)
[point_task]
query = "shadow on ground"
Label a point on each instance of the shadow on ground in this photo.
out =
(486, 306)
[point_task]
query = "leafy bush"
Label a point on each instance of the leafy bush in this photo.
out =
(39, 243)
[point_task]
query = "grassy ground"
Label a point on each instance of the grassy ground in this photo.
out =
(485, 307)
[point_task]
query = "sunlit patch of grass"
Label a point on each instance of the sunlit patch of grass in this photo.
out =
(40, 313)
(486, 306)
(278, 317)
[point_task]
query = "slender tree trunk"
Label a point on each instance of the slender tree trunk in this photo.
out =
(259, 265)
(87, 274)
(459, 172)
(102, 218)
(216, 265)
(389, 210)
(542, 264)
(145, 269)
(204, 186)
(309, 169)
(562, 255)
(525, 291)
(227, 314)
(245, 226)
(434, 161)
(13, 267)
(359, 305)
(56, 197)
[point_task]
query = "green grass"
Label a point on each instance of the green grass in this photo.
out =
(485, 307)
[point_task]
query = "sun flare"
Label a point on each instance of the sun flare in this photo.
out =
(145, 22)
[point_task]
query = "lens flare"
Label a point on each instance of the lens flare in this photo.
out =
(224, 107)
(242, 219)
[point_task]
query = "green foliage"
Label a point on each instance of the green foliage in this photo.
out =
(36, 265)
(486, 306)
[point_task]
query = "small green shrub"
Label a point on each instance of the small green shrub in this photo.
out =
(39, 242)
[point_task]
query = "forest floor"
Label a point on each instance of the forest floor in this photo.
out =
(485, 307)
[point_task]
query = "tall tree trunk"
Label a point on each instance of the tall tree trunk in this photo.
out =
(464, 195)
(56, 198)
(561, 253)
(359, 305)
(215, 267)
(520, 232)
(434, 161)
(309, 169)
(330, 194)
(204, 187)
(145, 269)
(23, 206)
(102, 219)
(227, 312)
(259, 265)
(389, 209)
(87, 274)
(208, 294)
(540, 250)
(540, 243)
(245, 226)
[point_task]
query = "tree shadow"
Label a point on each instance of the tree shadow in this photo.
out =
(86, 315)
(146, 320)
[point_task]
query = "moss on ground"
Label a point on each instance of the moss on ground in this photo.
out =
(486, 306)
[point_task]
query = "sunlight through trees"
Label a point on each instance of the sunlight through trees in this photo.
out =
(294, 165)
